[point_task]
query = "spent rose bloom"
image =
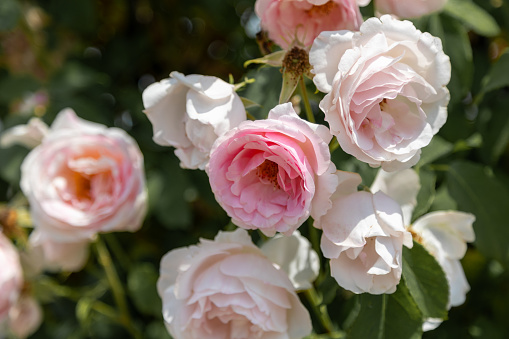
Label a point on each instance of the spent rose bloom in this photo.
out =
(300, 21)
(363, 236)
(386, 89)
(445, 234)
(227, 288)
(11, 278)
(190, 112)
(409, 8)
(273, 174)
(84, 178)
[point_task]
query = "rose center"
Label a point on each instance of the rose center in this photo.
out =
(81, 186)
(268, 171)
(383, 104)
(322, 10)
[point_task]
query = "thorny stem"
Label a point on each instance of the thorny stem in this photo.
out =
(116, 287)
(307, 106)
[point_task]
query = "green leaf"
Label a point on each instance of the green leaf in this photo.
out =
(387, 316)
(274, 59)
(497, 76)
(478, 191)
(437, 148)
(249, 103)
(456, 45)
(426, 281)
(10, 12)
(426, 194)
(495, 133)
(141, 284)
(473, 16)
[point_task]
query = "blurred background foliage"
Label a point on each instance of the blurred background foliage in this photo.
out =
(97, 56)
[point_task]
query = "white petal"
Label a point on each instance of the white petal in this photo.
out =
(325, 54)
(295, 256)
(29, 135)
(402, 186)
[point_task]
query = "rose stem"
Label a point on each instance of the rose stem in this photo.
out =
(333, 145)
(307, 106)
(116, 287)
(319, 310)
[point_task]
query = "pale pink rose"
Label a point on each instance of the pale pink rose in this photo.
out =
(25, 317)
(290, 22)
(363, 236)
(190, 112)
(445, 234)
(273, 174)
(83, 179)
(386, 86)
(227, 288)
(409, 8)
(11, 277)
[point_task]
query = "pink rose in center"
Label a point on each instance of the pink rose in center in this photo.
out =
(273, 174)
(289, 21)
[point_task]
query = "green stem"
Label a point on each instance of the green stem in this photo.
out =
(307, 106)
(319, 310)
(116, 287)
(334, 145)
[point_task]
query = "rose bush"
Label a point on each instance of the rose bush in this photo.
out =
(273, 174)
(363, 236)
(290, 22)
(227, 288)
(11, 278)
(190, 112)
(81, 180)
(386, 89)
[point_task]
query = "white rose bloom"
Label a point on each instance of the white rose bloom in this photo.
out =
(386, 88)
(227, 288)
(363, 236)
(190, 113)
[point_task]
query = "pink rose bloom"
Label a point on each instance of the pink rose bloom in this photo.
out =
(190, 112)
(11, 277)
(386, 86)
(84, 178)
(363, 236)
(273, 174)
(227, 288)
(409, 8)
(290, 22)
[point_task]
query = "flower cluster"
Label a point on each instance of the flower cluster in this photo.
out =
(384, 98)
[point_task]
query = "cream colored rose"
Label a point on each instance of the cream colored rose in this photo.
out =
(227, 288)
(363, 236)
(190, 113)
